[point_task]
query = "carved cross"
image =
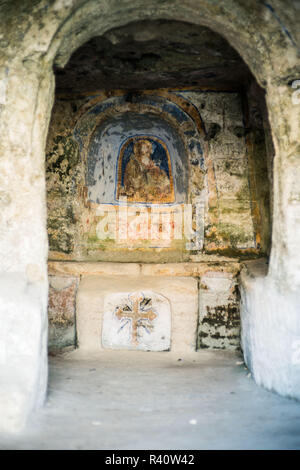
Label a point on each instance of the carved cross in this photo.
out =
(137, 314)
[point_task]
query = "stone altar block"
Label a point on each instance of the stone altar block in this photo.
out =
(143, 313)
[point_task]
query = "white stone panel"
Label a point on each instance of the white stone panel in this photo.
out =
(137, 320)
(23, 365)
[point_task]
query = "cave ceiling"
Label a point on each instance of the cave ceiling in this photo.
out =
(153, 54)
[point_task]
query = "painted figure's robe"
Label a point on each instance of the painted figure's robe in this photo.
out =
(145, 182)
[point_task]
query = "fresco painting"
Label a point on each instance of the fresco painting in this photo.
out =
(144, 171)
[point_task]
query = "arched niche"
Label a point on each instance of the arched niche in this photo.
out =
(105, 152)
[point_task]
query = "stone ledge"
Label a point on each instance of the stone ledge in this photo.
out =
(77, 269)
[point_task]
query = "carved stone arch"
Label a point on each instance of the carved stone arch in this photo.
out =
(116, 113)
(88, 19)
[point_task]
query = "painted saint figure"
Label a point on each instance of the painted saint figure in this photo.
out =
(143, 179)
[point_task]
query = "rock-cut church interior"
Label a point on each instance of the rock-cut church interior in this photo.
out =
(158, 190)
(159, 212)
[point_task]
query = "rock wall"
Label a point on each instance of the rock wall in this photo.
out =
(270, 345)
(219, 313)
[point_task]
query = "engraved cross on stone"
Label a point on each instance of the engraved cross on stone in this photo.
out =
(137, 314)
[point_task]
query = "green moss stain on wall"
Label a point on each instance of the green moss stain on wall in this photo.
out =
(231, 223)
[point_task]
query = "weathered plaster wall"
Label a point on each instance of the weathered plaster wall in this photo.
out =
(234, 225)
(261, 155)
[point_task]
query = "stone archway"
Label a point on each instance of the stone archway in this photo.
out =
(46, 34)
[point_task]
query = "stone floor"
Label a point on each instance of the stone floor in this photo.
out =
(140, 400)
